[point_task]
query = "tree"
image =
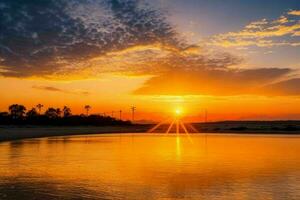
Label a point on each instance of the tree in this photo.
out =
(4, 114)
(53, 113)
(39, 107)
(17, 111)
(58, 112)
(87, 108)
(4, 117)
(32, 113)
(67, 111)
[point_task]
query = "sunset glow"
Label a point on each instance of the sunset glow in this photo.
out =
(150, 99)
(155, 55)
(178, 111)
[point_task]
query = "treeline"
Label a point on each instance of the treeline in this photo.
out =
(19, 115)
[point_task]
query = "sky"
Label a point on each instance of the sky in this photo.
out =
(236, 60)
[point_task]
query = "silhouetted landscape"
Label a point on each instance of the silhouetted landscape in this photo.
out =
(21, 123)
(149, 99)
(19, 115)
(253, 127)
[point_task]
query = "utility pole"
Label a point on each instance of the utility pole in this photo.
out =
(133, 108)
(120, 111)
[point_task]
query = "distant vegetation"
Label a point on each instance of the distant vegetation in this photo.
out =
(19, 115)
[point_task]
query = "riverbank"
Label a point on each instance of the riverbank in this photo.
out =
(251, 127)
(238, 127)
(8, 133)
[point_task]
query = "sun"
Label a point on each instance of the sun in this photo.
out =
(178, 111)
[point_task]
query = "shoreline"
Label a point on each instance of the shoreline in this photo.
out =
(11, 133)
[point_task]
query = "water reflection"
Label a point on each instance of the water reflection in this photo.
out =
(151, 167)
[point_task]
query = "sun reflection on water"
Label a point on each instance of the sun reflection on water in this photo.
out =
(136, 166)
(178, 147)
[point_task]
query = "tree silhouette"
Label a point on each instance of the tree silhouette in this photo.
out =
(53, 113)
(4, 114)
(39, 107)
(87, 108)
(32, 113)
(17, 111)
(55, 116)
(67, 111)
(58, 112)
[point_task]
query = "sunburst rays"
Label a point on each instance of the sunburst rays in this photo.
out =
(177, 124)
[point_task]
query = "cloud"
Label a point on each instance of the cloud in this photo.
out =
(53, 37)
(48, 88)
(283, 31)
(294, 12)
(219, 82)
(157, 58)
(282, 20)
(55, 89)
(287, 87)
(86, 38)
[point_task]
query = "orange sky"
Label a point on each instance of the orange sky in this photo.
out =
(157, 56)
(115, 93)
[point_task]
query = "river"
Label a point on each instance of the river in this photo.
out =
(152, 166)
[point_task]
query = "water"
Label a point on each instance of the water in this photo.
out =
(149, 166)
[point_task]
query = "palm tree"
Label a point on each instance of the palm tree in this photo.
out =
(39, 107)
(87, 108)
(66, 111)
(17, 111)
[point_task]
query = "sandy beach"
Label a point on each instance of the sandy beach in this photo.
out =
(8, 133)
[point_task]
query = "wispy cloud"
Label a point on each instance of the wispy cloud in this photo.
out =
(116, 36)
(55, 89)
(294, 12)
(287, 87)
(283, 31)
(156, 58)
(58, 36)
